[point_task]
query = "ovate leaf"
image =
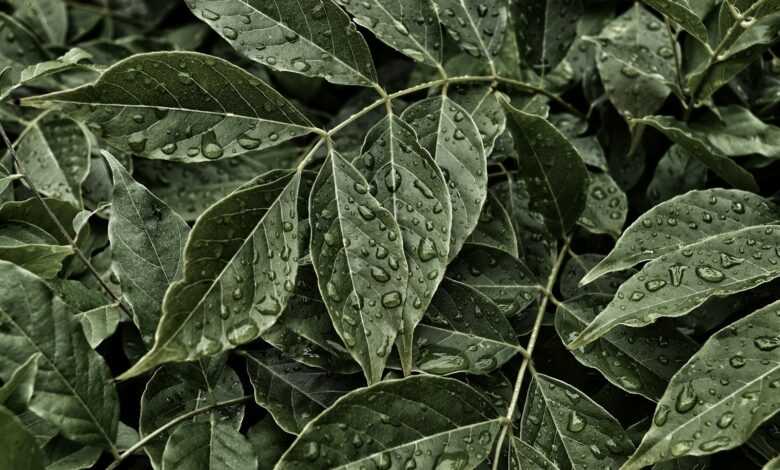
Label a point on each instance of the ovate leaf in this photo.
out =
(409, 26)
(17, 390)
(477, 26)
(406, 181)
(236, 282)
(100, 323)
(450, 135)
(638, 360)
(720, 164)
(676, 283)
(546, 29)
(464, 331)
(16, 54)
(147, 243)
(20, 451)
(423, 419)
(552, 168)
(570, 429)
(175, 390)
(269, 442)
(210, 445)
(482, 102)
(354, 242)
(682, 221)
(311, 37)
(681, 12)
(294, 394)
(607, 206)
(736, 370)
(175, 106)
(495, 228)
(73, 388)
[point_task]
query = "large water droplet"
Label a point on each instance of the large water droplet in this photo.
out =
(686, 399)
(576, 422)
(709, 274)
(392, 299)
(426, 249)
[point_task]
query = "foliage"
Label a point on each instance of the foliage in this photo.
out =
(389, 234)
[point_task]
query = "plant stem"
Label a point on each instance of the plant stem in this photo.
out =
(152, 435)
(20, 168)
(530, 350)
(677, 61)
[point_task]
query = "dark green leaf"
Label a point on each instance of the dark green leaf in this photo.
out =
(682, 14)
(546, 29)
(677, 173)
(607, 206)
(209, 445)
(495, 228)
(20, 451)
(269, 442)
(16, 392)
(477, 26)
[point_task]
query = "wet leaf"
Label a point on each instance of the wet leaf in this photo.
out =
(100, 323)
(310, 37)
(17, 390)
(20, 449)
(174, 106)
(351, 245)
(451, 424)
(747, 380)
(607, 206)
(677, 173)
(477, 26)
(208, 445)
(495, 228)
(546, 29)
(681, 12)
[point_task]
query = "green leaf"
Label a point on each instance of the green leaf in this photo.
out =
(773, 464)
(304, 331)
(236, 282)
(16, 392)
(311, 37)
(191, 188)
(63, 454)
(292, 393)
(477, 26)
(49, 17)
(409, 26)
(636, 62)
(100, 323)
(526, 457)
(495, 228)
(737, 132)
(442, 422)
(147, 243)
(55, 151)
(463, 331)
(546, 29)
(175, 390)
(570, 429)
(638, 360)
(552, 168)
(607, 206)
(682, 221)
(269, 442)
(677, 173)
(20, 451)
(747, 379)
(681, 12)
(210, 445)
(358, 255)
(680, 281)
(575, 269)
(73, 388)
(71, 60)
(482, 103)
(505, 280)
(450, 135)
(174, 106)
(16, 54)
(406, 181)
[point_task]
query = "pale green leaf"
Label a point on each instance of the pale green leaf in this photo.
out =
(49, 17)
(73, 388)
(481, 102)
(678, 282)
(294, 394)
(450, 135)
(684, 220)
(552, 168)
(442, 423)
(20, 451)
(100, 323)
(176, 106)
(147, 244)
(477, 26)
(495, 228)
(354, 242)
(681, 12)
(210, 445)
(546, 29)
(409, 26)
(177, 389)
(570, 429)
(16, 54)
(311, 37)
(236, 282)
(607, 206)
(731, 382)
(16, 392)
(463, 331)
(773, 464)
(638, 360)
(406, 181)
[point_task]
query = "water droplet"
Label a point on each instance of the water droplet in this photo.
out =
(392, 299)
(229, 33)
(426, 249)
(728, 261)
(686, 399)
(137, 142)
(379, 274)
(681, 448)
(767, 343)
(725, 420)
(709, 274)
(242, 332)
(576, 422)
(737, 361)
(654, 285)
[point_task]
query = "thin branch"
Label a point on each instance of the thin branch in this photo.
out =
(186, 416)
(80, 254)
(530, 350)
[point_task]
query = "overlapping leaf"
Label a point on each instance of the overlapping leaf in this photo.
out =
(478, 26)
(546, 29)
(495, 228)
(209, 445)
(240, 263)
(20, 451)
(310, 37)
(175, 106)
(681, 12)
